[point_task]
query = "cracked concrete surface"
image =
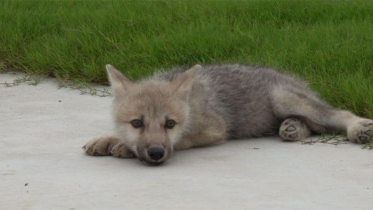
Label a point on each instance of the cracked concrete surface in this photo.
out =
(42, 165)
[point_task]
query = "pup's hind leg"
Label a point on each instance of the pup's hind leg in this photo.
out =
(360, 131)
(293, 129)
(288, 101)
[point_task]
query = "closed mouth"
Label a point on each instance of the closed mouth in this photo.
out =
(152, 163)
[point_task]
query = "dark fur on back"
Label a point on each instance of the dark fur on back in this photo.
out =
(241, 95)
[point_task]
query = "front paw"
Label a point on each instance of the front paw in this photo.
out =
(122, 151)
(100, 146)
(361, 131)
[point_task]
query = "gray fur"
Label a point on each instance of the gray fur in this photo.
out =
(242, 96)
(214, 103)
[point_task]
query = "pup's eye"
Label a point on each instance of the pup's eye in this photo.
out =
(137, 123)
(170, 124)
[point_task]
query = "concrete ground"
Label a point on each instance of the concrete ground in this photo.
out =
(42, 165)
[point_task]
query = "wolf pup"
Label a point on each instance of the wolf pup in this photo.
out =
(207, 105)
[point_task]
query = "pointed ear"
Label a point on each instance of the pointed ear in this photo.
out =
(119, 83)
(184, 82)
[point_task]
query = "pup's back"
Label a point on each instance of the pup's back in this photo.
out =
(242, 96)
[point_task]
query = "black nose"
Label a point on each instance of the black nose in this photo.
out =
(156, 153)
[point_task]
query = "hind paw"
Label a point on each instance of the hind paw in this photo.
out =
(361, 131)
(293, 130)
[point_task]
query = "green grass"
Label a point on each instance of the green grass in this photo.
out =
(328, 43)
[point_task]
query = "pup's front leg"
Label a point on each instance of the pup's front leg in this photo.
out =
(107, 145)
(211, 131)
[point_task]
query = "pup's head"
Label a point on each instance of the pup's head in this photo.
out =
(150, 115)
